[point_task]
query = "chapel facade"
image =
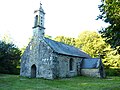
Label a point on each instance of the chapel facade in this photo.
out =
(49, 59)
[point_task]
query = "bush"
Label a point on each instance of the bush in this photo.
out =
(113, 72)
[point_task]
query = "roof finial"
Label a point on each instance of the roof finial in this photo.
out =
(40, 3)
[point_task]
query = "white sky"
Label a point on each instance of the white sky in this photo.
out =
(63, 17)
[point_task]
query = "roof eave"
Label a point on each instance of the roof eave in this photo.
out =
(67, 54)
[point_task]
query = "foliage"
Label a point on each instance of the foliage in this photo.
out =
(23, 49)
(91, 43)
(111, 58)
(110, 13)
(112, 72)
(66, 40)
(14, 82)
(9, 58)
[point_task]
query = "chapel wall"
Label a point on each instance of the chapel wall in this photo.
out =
(91, 72)
(38, 53)
(62, 66)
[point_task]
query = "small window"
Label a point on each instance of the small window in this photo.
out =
(36, 20)
(71, 64)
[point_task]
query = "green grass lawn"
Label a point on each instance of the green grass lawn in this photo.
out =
(14, 82)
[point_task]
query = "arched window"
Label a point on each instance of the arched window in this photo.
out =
(36, 20)
(71, 64)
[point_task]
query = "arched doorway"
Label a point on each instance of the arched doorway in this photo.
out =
(33, 71)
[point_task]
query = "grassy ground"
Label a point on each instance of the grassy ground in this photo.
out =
(14, 82)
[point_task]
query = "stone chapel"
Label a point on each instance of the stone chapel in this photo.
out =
(49, 59)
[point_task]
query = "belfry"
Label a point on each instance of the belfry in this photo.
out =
(38, 28)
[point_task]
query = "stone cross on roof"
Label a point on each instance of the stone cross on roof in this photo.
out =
(40, 3)
(38, 10)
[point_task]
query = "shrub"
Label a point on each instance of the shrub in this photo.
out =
(113, 72)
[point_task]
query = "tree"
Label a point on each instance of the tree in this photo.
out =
(111, 58)
(9, 58)
(66, 40)
(110, 13)
(91, 42)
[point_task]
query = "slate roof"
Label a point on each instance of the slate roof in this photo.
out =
(65, 49)
(91, 63)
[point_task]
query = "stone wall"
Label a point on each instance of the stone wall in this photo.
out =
(90, 72)
(37, 53)
(24, 71)
(62, 67)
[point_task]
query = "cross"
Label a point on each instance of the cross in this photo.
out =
(40, 6)
(40, 3)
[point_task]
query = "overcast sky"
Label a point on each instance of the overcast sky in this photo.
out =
(63, 17)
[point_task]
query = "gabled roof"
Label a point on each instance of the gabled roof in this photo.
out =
(91, 63)
(65, 49)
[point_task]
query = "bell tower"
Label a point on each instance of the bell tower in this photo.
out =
(38, 28)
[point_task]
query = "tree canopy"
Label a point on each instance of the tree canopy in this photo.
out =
(9, 58)
(91, 42)
(66, 40)
(110, 13)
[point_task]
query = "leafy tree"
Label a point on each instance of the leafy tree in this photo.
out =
(66, 40)
(9, 58)
(110, 13)
(91, 42)
(111, 58)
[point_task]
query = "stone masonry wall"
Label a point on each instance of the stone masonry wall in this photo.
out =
(90, 72)
(62, 67)
(38, 53)
(24, 70)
